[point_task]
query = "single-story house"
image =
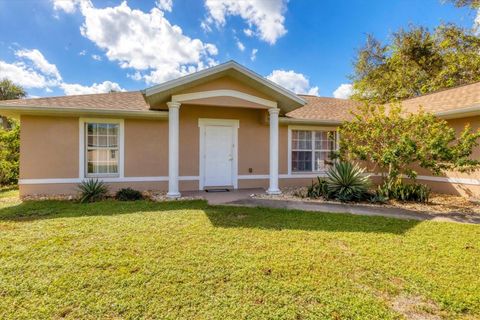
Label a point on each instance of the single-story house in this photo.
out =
(225, 126)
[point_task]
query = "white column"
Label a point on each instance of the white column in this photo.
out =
(173, 143)
(273, 189)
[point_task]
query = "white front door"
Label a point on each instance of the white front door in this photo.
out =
(218, 155)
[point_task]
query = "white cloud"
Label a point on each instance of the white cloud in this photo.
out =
(248, 32)
(240, 45)
(96, 57)
(344, 91)
(68, 6)
(145, 42)
(165, 5)
(293, 81)
(37, 58)
(104, 87)
(253, 55)
(265, 16)
(82, 53)
(22, 75)
(32, 70)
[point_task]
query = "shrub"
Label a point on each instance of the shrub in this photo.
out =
(347, 182)
(9, 154)
(318, 189)
(92, 190)
(128, 194)
(405, 192)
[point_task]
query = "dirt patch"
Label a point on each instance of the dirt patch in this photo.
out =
(438, 204)
(416, 308)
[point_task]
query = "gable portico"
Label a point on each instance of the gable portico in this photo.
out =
(227, 86)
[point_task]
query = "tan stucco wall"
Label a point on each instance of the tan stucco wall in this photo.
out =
(253, 139)
(227, 83)
(146, 148)
(49, 147)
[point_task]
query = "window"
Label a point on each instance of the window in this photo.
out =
(102, 149)
(312, 150)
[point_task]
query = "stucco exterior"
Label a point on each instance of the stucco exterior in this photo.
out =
(51, 160)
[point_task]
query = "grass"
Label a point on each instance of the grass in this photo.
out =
(193, 261)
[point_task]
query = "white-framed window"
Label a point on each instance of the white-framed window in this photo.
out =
(311, 149)
(101, 148)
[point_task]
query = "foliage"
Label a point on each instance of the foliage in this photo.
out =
(415, 62)
(9, 155)
(347, 182)
(474, 4)
(405, 192)
(92, 190)
(396, 143)
(318, 189)
(128, 194)
(9, 90)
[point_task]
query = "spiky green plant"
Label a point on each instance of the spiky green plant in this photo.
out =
(92, 190)
(347, 182)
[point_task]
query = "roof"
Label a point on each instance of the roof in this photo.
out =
(324, 109)
(458, 100)
(132, 101)
(286, 99)
(462, 101)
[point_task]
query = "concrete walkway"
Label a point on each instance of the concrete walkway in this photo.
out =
(243, 197)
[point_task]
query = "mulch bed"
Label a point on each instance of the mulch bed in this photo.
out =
(438, 203)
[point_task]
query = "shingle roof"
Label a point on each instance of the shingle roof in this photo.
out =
(446, 100)
(129, 101)
(322, 108)
(317, 108)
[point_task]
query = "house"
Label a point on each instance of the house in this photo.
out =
(225, 126)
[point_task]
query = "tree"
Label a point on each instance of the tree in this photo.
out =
(415, 62)
(474, 4)
(8, 91)
(9, 155)
(396, 143)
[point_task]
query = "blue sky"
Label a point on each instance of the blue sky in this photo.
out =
(62, 47)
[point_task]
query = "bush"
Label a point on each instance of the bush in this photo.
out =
(318, 189)
(405, 192)
(92, 190)
(9, 155)
(128, 194)
(347, 182)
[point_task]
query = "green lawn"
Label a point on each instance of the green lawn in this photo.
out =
(193, 261)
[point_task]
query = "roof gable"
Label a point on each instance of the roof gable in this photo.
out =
(286, 100)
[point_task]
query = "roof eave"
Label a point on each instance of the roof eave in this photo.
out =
(294, 121)
(470, 111)
(17, 110)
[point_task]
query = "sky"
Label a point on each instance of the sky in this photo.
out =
(65, 47)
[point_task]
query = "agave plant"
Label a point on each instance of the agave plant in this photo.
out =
(92, 190)
(347, 182)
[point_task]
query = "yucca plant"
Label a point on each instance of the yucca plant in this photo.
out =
(92, 190)
(318, 189)
(347, 182)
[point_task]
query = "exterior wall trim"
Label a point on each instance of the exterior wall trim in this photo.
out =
(81, 143)
(465, 181)
(224, 93)
(289, 146)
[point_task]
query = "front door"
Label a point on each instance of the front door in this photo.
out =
(218, 155)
